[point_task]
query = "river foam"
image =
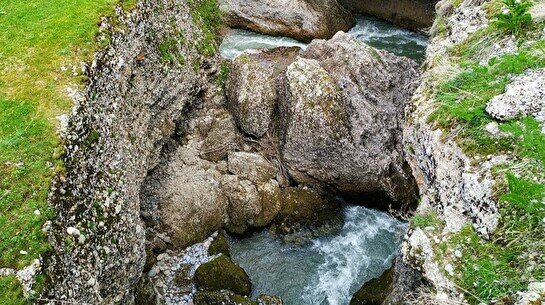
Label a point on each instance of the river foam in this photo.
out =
(327, 270)
(376, 33)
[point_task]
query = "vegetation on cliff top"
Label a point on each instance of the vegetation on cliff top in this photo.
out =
(41, 46)
(514, 255)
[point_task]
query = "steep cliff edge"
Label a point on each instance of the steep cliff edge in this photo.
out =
(478, 234)
(139, 86)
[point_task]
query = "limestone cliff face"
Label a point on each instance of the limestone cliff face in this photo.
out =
(458, 187)
(138, 88)
(449, 182)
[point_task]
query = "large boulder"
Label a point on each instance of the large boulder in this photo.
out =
(300, 19)
(342, 110)
(412, 14)
(251, 88)
(337, 112)
(222, 274)
(183, 197)
(244, 205)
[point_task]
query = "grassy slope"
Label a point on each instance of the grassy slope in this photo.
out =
(515, 254)
(37, 38)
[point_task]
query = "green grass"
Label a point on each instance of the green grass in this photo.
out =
(514, 255)
(462, 102)
(11, 291)
(38, 37)
(430, 219)
(207, 16)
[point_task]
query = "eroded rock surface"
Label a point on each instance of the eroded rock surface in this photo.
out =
(114, 136)
(524, 96)
(251, 87)
(340, 111)
(412, 14)
(300, 19)
(343, 112)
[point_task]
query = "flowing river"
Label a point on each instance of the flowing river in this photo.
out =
(374, 32)
(326, 270)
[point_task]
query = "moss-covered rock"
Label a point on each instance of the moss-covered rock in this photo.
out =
(221, 298)
(375, 291)
(219, 245)
(222, 274)
(304, 207)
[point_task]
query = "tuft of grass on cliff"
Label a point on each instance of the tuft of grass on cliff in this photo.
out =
(207, 16)
(514, 255)
(42, 43)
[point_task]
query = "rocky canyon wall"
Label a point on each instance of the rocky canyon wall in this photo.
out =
(139, 86)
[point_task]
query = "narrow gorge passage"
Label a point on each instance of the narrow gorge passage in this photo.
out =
(330, 268)
(324, 270)
(374, 32)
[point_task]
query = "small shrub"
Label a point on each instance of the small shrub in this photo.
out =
(514, 17)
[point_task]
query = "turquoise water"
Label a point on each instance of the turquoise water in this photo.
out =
(377, 33)
(326, 270)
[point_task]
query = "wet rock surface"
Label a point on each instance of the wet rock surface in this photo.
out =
(222, 274)
(375, 291)
(412, 14)
(303, 20)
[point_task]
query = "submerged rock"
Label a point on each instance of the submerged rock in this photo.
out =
(375, 291)
(300, 19)
(222, 274)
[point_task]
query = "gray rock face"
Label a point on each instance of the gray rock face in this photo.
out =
(191, 206)
(342, 113)
(412, 14)
(524, 96)
(300, 19)
(221, 139)
(251, 166)
(113, 138)
(252, 102)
